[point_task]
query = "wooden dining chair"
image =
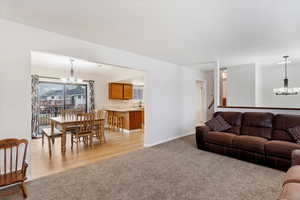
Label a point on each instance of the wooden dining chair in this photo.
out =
(69, 115)
(47, 132)
(101, 115)
(13, 164)
(86, 122)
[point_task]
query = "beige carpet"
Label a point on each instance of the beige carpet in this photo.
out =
(171, 171)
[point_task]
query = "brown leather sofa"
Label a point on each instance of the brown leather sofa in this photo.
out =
(259, 137)
(291, 183)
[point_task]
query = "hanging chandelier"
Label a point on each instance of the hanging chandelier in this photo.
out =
(285, 90)
(71, 78)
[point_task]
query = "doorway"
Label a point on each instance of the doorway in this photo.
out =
(53, 95)
(201, 110)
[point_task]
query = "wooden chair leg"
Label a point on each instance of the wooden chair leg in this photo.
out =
(103, 135)
(91, 140)
(77, 141)
(49, 146)
(53, 140)
(43, 135)
(24, 190)
(72, 141)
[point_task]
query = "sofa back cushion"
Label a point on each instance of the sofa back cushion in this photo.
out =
(232, 118)
(257, 124)
(281, 125)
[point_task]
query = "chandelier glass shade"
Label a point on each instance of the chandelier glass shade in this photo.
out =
(71, 78)
(286, 90)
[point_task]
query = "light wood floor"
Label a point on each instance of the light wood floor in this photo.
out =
(116, 144)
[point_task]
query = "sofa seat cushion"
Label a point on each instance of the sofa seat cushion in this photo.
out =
(292, 175)
(250, 143)
(280, 148)
(220, 138)
(290, 191)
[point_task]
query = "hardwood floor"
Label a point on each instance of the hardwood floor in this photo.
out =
(117, 144)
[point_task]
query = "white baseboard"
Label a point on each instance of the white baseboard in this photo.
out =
(131, 131)
(169, 139)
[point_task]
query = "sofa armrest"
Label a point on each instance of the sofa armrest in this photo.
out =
(201, 131)
(296, 157)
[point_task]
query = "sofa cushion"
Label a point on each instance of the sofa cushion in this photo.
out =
(218, 124)
(232, 118)
(249, 143)
(292, 175)
(295, 133)
(281, 125)
(280, 148)
(282, 135)
(220, 138)
(257, 124)
(290, 191)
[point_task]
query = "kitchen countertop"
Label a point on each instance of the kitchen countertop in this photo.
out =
(123, 109)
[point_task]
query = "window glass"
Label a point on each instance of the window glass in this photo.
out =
(55, 97)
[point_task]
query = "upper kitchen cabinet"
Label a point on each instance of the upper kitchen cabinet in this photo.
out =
(127, 91)
(120, 91)
(115, 90)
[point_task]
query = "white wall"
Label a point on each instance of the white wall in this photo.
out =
(190, 98)
(266, 77)
(163, 106)
(271, 76)
(210, 90)
(252, 85)
(241, 85)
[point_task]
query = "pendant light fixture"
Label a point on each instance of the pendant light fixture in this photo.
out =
(71, 78)
(285, 90)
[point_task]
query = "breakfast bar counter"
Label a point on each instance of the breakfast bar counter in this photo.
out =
(132, 118)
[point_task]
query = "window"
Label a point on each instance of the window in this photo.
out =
(73, 94)
(138, 92)
(54, 97)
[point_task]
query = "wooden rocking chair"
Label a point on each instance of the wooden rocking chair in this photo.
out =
(14, 166)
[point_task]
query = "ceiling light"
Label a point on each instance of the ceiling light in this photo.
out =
(71, 78)
(285, 90)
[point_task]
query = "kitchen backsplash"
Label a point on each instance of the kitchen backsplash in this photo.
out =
(124, 103)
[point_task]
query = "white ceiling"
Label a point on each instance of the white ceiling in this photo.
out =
(181, 32)
(49, 64)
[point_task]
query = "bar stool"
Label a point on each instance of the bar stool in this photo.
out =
(120, 124)
(115, 122)
(110, 121)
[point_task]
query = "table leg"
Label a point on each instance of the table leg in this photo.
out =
(63, 140)
(101, 130)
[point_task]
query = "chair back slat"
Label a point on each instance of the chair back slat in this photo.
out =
(101, 114)
(11, 151)
(5, 161)
(86, 121)
(11, 159)
(69, 114)
(17, 154)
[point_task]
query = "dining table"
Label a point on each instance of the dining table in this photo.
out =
(71, 121)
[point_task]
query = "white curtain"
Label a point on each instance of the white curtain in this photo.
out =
(34, 105)
(91, 96)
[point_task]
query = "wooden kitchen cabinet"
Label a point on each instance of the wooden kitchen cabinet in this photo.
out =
(127, 91)
(120, 91)
(115, 90)
(132, 119)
